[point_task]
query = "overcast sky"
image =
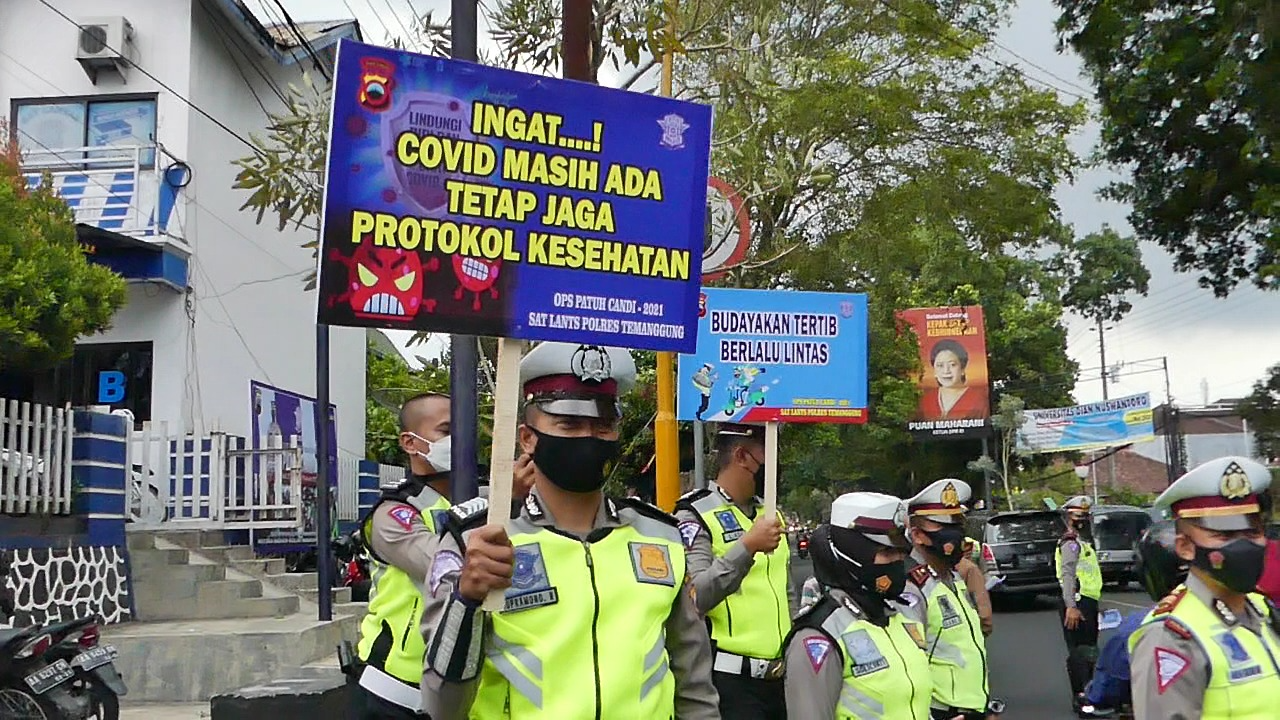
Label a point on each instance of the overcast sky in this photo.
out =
(1221, 345)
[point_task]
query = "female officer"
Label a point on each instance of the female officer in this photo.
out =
(850, 655)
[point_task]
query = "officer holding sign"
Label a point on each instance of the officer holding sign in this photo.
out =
(739, 565)
(852, 655)
(599, 619)
(937, 598)
(1211, 648)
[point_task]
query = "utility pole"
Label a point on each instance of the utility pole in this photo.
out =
(1171, 445)
(575, 26)
(1102, 352)
(464, 350)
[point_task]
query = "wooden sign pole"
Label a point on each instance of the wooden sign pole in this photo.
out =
(770, 470)
(506, 404)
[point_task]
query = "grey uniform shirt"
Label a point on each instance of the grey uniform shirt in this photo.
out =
(398, 536)
(1067, 580)
(1186, 665)
(815, 671)
(455, 632)
(717, 577)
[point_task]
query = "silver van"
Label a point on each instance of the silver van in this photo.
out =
(1116, 529)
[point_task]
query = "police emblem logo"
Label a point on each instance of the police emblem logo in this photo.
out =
(1235, 482)
(950, 496)
(865, 657)
(652, 564)
(732, 528)
(950, 618)
(530, 586)
(673, 127)
(1242, 666)
(591, 363)
(846, 309)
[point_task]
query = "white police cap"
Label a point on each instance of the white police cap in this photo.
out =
(1221, 494)
(571, 379)
(1079, 502)
(941, 502)
(878, 517)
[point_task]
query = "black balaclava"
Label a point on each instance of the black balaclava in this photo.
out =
(845, 559)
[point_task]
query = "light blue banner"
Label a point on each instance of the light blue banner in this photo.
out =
(1093, 426)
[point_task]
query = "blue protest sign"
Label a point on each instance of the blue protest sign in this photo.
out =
(472, 199)
(776, 356)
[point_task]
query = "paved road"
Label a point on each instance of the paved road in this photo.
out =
(1027, 653)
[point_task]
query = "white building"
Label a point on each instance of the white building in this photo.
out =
(215, 300)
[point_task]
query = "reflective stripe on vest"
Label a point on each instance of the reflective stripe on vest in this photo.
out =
(1088, 572)
(886, 674)
(754, 620)
(1244, 669)
(955, 646)
(583, 632)
(395, 605)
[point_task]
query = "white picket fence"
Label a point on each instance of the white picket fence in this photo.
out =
(211, 480)
(35, 458)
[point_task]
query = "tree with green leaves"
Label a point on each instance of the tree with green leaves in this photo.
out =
(1262, 410)
(1189, 95)
(389, 381)
(1102, 269)
(50, 293)
(1007, 421)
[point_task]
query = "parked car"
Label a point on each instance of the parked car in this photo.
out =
(1116, 530)
(1019, 547)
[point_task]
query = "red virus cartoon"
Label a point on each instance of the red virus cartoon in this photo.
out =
(384, 283)
(475, 275)
(702, 305)
(376, 82)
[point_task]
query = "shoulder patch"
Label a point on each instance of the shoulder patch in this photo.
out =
(689, 530)
(818, 649)
(1170, 601)
(1170, 665)
(444, 563)
(1174, 626)
(1071, 544)
(919, 575)
(650, 511)
(470, 511)
(406, 516)
(692, 496)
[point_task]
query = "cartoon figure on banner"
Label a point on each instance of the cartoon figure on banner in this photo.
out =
(476, 275)
(426, 114)
(376, 82)
(702, 305)
(704, 379)
(384, 283)
(741, 390)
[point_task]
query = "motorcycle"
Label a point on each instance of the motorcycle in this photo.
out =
(802, 546)
(34, 686)
(353, 568)
(77, 642)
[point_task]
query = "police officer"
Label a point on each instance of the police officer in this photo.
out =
(739, 566)
(1161, 571)
(401, 535)
(1210, 648)
(1080, 580)
(599, 619)
(972, 569)
(852, 655)
(937, 598)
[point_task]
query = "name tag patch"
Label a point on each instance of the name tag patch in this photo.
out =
(1242, 666)
(530, 586)
(732, 528)
(950, 618)
(652, 564)
(865, 657)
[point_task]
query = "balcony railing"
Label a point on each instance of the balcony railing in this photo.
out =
(130, 190)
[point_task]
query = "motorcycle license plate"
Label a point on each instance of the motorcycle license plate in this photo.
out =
(94, 657)
(47, 678)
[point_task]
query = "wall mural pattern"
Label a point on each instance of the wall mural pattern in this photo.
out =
(54, 584)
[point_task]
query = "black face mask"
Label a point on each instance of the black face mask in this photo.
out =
(1083, 527)
(758, 477)
(1237, 565)
(889, 579)
(948, 543)
(575, 464)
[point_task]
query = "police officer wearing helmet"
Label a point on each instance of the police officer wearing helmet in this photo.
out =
(852, 654)
(938, 599)
(1161, 570)
(401, 535)
(1210, 648)
(739, 566)
(598, 619)
(1080, 579)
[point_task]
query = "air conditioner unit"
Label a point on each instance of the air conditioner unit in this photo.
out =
(105, 43)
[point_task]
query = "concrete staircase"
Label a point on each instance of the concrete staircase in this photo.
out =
(214, 618)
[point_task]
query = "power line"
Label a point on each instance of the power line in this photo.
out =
(306, 44)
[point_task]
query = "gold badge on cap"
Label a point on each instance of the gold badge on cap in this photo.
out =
(950, 498)
(1235, 482)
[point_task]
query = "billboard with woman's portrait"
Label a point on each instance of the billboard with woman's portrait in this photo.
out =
(954, 396)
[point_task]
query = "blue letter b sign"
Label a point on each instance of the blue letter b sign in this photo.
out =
(110, 386)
